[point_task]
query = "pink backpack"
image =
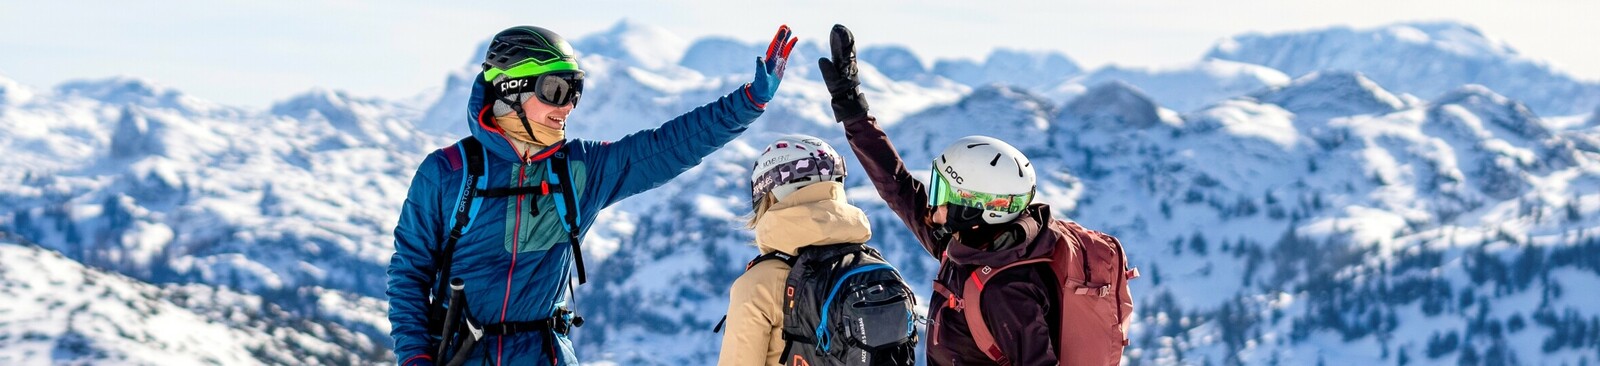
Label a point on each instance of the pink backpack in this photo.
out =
(1092, 271)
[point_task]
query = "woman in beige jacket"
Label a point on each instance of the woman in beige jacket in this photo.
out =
(798, 197)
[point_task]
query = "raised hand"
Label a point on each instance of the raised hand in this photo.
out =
(842, 77)
(769, 69)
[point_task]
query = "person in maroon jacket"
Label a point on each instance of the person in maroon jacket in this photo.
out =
(976, 214)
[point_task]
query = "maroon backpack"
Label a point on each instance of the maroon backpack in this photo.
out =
(1092, 272)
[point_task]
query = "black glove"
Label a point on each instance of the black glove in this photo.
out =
(840, 73)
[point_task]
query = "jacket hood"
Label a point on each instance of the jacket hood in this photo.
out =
(1031, 226)
(815, 215)
(481, 123)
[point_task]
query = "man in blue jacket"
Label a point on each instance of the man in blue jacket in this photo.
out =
(515, 253)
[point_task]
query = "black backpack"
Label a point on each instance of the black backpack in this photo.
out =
(845, 305)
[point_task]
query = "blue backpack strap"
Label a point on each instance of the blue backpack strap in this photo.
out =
(560, 172)
(466, 210)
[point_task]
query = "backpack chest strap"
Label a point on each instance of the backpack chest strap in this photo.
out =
(545, 188)
(950, 299)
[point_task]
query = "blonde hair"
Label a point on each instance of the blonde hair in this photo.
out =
(760, 210)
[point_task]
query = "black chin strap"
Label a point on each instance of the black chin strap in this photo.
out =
(967, 222)
(942, 233)
(963, 218)
(516, 106)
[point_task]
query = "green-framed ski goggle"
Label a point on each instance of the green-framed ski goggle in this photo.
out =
(942, 193)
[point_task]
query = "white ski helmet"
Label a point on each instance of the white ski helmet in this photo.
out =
(792, 162)
(984, 173)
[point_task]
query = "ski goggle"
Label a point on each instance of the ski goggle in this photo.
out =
(556, 89)
(942, 193)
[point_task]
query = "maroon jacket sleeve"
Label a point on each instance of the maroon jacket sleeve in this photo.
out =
(1018, 312)
(907, 197)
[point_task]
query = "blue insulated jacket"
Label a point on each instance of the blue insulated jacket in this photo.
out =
(516, 264)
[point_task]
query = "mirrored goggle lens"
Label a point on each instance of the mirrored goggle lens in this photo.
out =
(937, 190)
(559, 89)
(993, 202)
(942, 193)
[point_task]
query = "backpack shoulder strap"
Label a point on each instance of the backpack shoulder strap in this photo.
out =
(465, 209)
(567, 204)
(774, 255)
(971, 301)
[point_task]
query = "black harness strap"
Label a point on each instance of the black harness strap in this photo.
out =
(509, 328)
(543, 189)
(788, 349)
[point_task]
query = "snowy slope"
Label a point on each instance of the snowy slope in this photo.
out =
(1322, 95)
(13, 93)
(1424, 59)
(1324, 219)
(278, 203)
(60, 312)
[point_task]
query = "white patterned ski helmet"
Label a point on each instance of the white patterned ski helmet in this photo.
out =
(983, 173)
(793, 162)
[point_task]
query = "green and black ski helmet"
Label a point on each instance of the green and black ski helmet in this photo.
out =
(525, 51)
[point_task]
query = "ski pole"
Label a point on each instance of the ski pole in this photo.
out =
(470, 339)
(457, 292)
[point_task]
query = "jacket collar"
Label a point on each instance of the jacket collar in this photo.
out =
(1036, 241)
(493, 139)
(815, 215)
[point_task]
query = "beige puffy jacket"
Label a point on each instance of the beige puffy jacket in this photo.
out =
(814, 215)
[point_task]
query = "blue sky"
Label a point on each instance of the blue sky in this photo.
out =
(252, 53)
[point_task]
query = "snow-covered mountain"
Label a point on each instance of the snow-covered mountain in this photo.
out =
(1324, 219)
(1028, 69)
(12, 93)
(1324, 95)
(1182, 88)
(59, 312)
(721, 56)
(635, 43)
(896, 62)
(1423, 59)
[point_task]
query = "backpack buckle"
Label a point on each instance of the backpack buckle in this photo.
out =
(1101, 291)
(562, 324)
